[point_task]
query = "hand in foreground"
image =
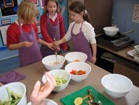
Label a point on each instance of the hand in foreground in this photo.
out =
(39, 92)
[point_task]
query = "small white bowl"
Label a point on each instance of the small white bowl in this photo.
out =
(61, 74)
(47, 102)
(111, 31)
(137, 49)
(18, 88)
(75, 57)
(116, 85)
(78, 66)
(48, 62)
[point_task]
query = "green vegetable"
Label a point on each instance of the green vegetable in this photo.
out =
(60, 81)
(13, 98)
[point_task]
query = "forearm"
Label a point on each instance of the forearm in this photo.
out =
(94, 48)
(15, 46)
(42, 42)
(61, 41)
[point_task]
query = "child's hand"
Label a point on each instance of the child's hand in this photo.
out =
(57, 48)
(51, 46)
(39, 92)
(56, 45)
(27, 44)
(94, 59)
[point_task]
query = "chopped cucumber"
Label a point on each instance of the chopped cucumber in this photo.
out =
(13, 98)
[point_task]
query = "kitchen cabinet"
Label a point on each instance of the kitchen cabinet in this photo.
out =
(100, 12)
(125, 64)
(8, 61)
(128, 69)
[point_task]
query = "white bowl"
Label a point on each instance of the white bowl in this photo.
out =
(111, 31)
(116, 85)
(47, 102)
(137, 49)
(75, 57)
(78, 66)
(18, 88)
(48, 62)
(61, 74)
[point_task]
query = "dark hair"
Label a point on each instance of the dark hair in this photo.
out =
(79, 7)
(46, 2)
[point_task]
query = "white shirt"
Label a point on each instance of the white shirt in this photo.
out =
(53, 17)
(87, 29)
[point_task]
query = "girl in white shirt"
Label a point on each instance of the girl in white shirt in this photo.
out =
(80, 31)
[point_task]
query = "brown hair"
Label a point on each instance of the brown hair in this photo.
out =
(79, 7)
(27, 11)
(46, 2)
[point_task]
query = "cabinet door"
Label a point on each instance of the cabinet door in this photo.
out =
(128, 69)
(100, 12)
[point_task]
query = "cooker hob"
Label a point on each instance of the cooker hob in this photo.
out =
(116, 42)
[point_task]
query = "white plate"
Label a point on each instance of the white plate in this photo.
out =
(47, 102)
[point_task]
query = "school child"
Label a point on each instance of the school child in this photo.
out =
(52, 27)
(80, 31)
(23, 34)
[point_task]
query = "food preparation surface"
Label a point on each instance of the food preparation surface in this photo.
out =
(69, 99)
(35, 72)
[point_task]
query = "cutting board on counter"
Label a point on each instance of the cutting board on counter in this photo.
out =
(69, 99)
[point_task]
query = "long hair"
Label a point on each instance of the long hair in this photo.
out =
(27, 11)
(79, 7)
(45, 4)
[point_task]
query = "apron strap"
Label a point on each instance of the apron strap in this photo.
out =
(72, 27)
(81, 26)
(20, 28)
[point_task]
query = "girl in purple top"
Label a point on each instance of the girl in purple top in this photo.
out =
(80, 31)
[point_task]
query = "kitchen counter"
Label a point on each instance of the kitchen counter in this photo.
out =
(121, 53)
(35, 72)
(125, 64)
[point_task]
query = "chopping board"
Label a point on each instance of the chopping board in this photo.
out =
(69, 99)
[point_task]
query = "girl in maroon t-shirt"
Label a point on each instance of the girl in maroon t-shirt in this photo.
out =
(52, 26)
